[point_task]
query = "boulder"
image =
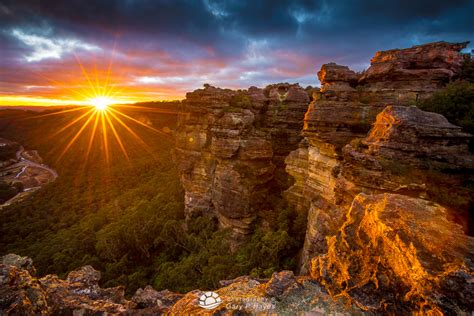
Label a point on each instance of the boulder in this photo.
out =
(281, 284)
(25, 263)
(20, 293)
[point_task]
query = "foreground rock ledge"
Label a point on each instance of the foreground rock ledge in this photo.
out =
(79, 294)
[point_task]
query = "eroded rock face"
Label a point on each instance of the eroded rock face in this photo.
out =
(281, 284)
(20, 262)
(363, 136)
(231, 147)
(425, 66)
(155, 300)
(390, 241)
(20, 293)
(412, 152)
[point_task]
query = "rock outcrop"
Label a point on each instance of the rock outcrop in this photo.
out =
(399, 254)
(231, 147)
(79, 294)
(366, 141)
(21, 293)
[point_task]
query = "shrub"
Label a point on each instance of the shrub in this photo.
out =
(467, 71)
(455, 102)
(241, 100)
(283, 106)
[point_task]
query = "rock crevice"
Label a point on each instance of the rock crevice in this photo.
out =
(231, 147)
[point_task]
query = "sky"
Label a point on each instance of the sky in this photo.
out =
(56, 52)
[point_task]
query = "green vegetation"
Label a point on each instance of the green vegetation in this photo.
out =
(8, 191)
(456, 100)
(125, 217)
(232, 109)
(241, 100)
(282, 106)
(356, 143)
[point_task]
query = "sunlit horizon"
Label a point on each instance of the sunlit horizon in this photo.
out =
(99, 108)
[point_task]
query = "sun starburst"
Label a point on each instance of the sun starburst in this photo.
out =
(103, 115)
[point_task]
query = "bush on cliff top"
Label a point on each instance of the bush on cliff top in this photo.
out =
(455, 102)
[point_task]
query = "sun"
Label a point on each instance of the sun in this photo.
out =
(101, 103)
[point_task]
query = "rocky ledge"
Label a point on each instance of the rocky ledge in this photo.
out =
(21, 293)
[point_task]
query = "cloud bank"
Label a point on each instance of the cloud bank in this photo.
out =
(161, 49)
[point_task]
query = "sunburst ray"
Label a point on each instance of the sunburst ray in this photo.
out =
(117, 137)
(75, 109)
(91, 139)
(138, 122)
(104, 134)
(135, 135)
(73, 122)
(71, 142)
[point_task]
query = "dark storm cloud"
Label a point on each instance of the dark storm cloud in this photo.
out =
(228, 43)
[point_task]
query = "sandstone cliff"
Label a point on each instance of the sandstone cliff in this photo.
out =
(369, 169)
(363, 137)
(231, 147)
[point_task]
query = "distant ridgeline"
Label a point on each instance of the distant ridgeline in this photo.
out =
(353, 186)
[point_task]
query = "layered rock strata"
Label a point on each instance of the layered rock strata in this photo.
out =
(363, 135)
(231, 147)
